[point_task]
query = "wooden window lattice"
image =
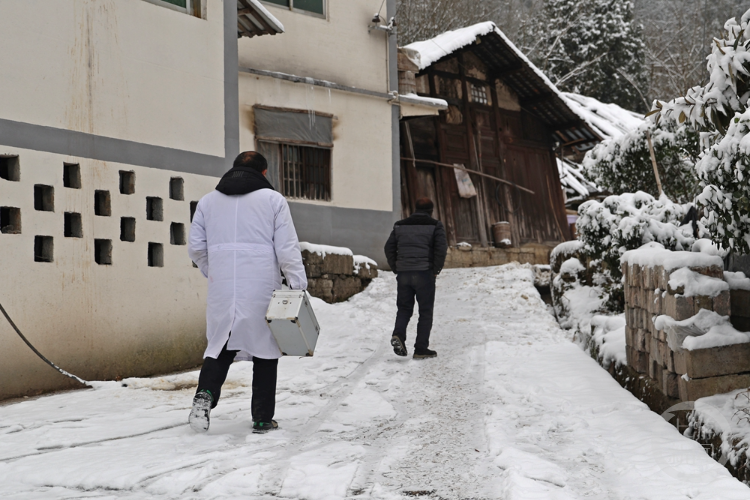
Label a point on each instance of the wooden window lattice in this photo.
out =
(479, 94)
(306, 172)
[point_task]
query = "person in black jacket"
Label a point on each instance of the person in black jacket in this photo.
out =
(416, 251)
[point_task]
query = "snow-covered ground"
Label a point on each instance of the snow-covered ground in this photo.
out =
(510, 409)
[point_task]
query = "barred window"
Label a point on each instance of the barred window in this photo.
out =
(305, 172)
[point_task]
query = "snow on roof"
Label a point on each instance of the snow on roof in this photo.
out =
(610, 120)
(573, 181)
(251, 15)
(434, 49)
(424, 101)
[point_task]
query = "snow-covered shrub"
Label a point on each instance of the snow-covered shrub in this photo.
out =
(720, 110)
(575, 302)
(623, 164)
(724, 172)
(626, 222)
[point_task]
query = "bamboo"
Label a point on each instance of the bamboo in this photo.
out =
(653, 162)
(471, 172)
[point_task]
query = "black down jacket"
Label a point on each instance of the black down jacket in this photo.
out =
(417, 243)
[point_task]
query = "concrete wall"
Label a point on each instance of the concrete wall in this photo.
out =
(110, 85)
(97, 321)
(126, 69)
(365, 196)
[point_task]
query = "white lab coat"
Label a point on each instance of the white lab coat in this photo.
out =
(239, 243)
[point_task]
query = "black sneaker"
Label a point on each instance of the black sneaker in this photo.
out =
(424, 354)
(263, 427)
(199, 418)
(398, 346)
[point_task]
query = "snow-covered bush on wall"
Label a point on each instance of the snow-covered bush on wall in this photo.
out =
(720, 110)
(626, 222)
(623, 164)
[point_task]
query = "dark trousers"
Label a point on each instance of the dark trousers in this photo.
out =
(263, 404)
(419, 285)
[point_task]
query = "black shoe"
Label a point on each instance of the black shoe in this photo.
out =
(424, 354)
(200, 415)
(263, 427)
(398, 346)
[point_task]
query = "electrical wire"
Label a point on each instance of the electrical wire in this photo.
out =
(53, 365)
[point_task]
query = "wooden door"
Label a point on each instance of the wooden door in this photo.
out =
(455, 150)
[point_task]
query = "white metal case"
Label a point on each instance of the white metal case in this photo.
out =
(293, 323)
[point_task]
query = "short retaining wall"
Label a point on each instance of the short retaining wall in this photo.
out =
(334, 274)
(680, 374)
(702, 391)
(469, 256)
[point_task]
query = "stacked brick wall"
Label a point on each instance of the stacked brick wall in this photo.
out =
(334, 278)
(685, 375)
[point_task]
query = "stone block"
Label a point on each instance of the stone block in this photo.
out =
(661, 335)
(680, 363)
(722, 303)
(367, 274)
(670, 360)
(665, 354)
(653, 348)
(658, 373)
(345, 287)
(697, 388)
(678, 307)
(636, 272)
(641, 339)
(717, 361)
(656, 272)
(675, 290)
(653, 367)
(629, 336)
(740, 303)
(657, 307)
(316, 265)
(320, 288)
(670, 385)
(661, 278)
(481, 258)
(712, 271)
(646, 319)
(702, 302)
(630, 317)
(638, 360)
(648, 278)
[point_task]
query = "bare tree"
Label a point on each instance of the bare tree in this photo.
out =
(424, 19)
(678, 35)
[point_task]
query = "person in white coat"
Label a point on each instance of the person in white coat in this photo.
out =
(241, 237)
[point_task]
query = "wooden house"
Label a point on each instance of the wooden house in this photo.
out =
(504, 124)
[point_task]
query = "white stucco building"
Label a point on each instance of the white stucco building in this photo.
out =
(116, 116)
(321, 103)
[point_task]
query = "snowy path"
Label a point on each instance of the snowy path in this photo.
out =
(509, 410)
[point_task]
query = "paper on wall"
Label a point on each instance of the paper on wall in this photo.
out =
(465, 186)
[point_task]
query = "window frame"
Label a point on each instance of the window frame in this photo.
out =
(280, 181)
(300, 11)
(191, 6)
